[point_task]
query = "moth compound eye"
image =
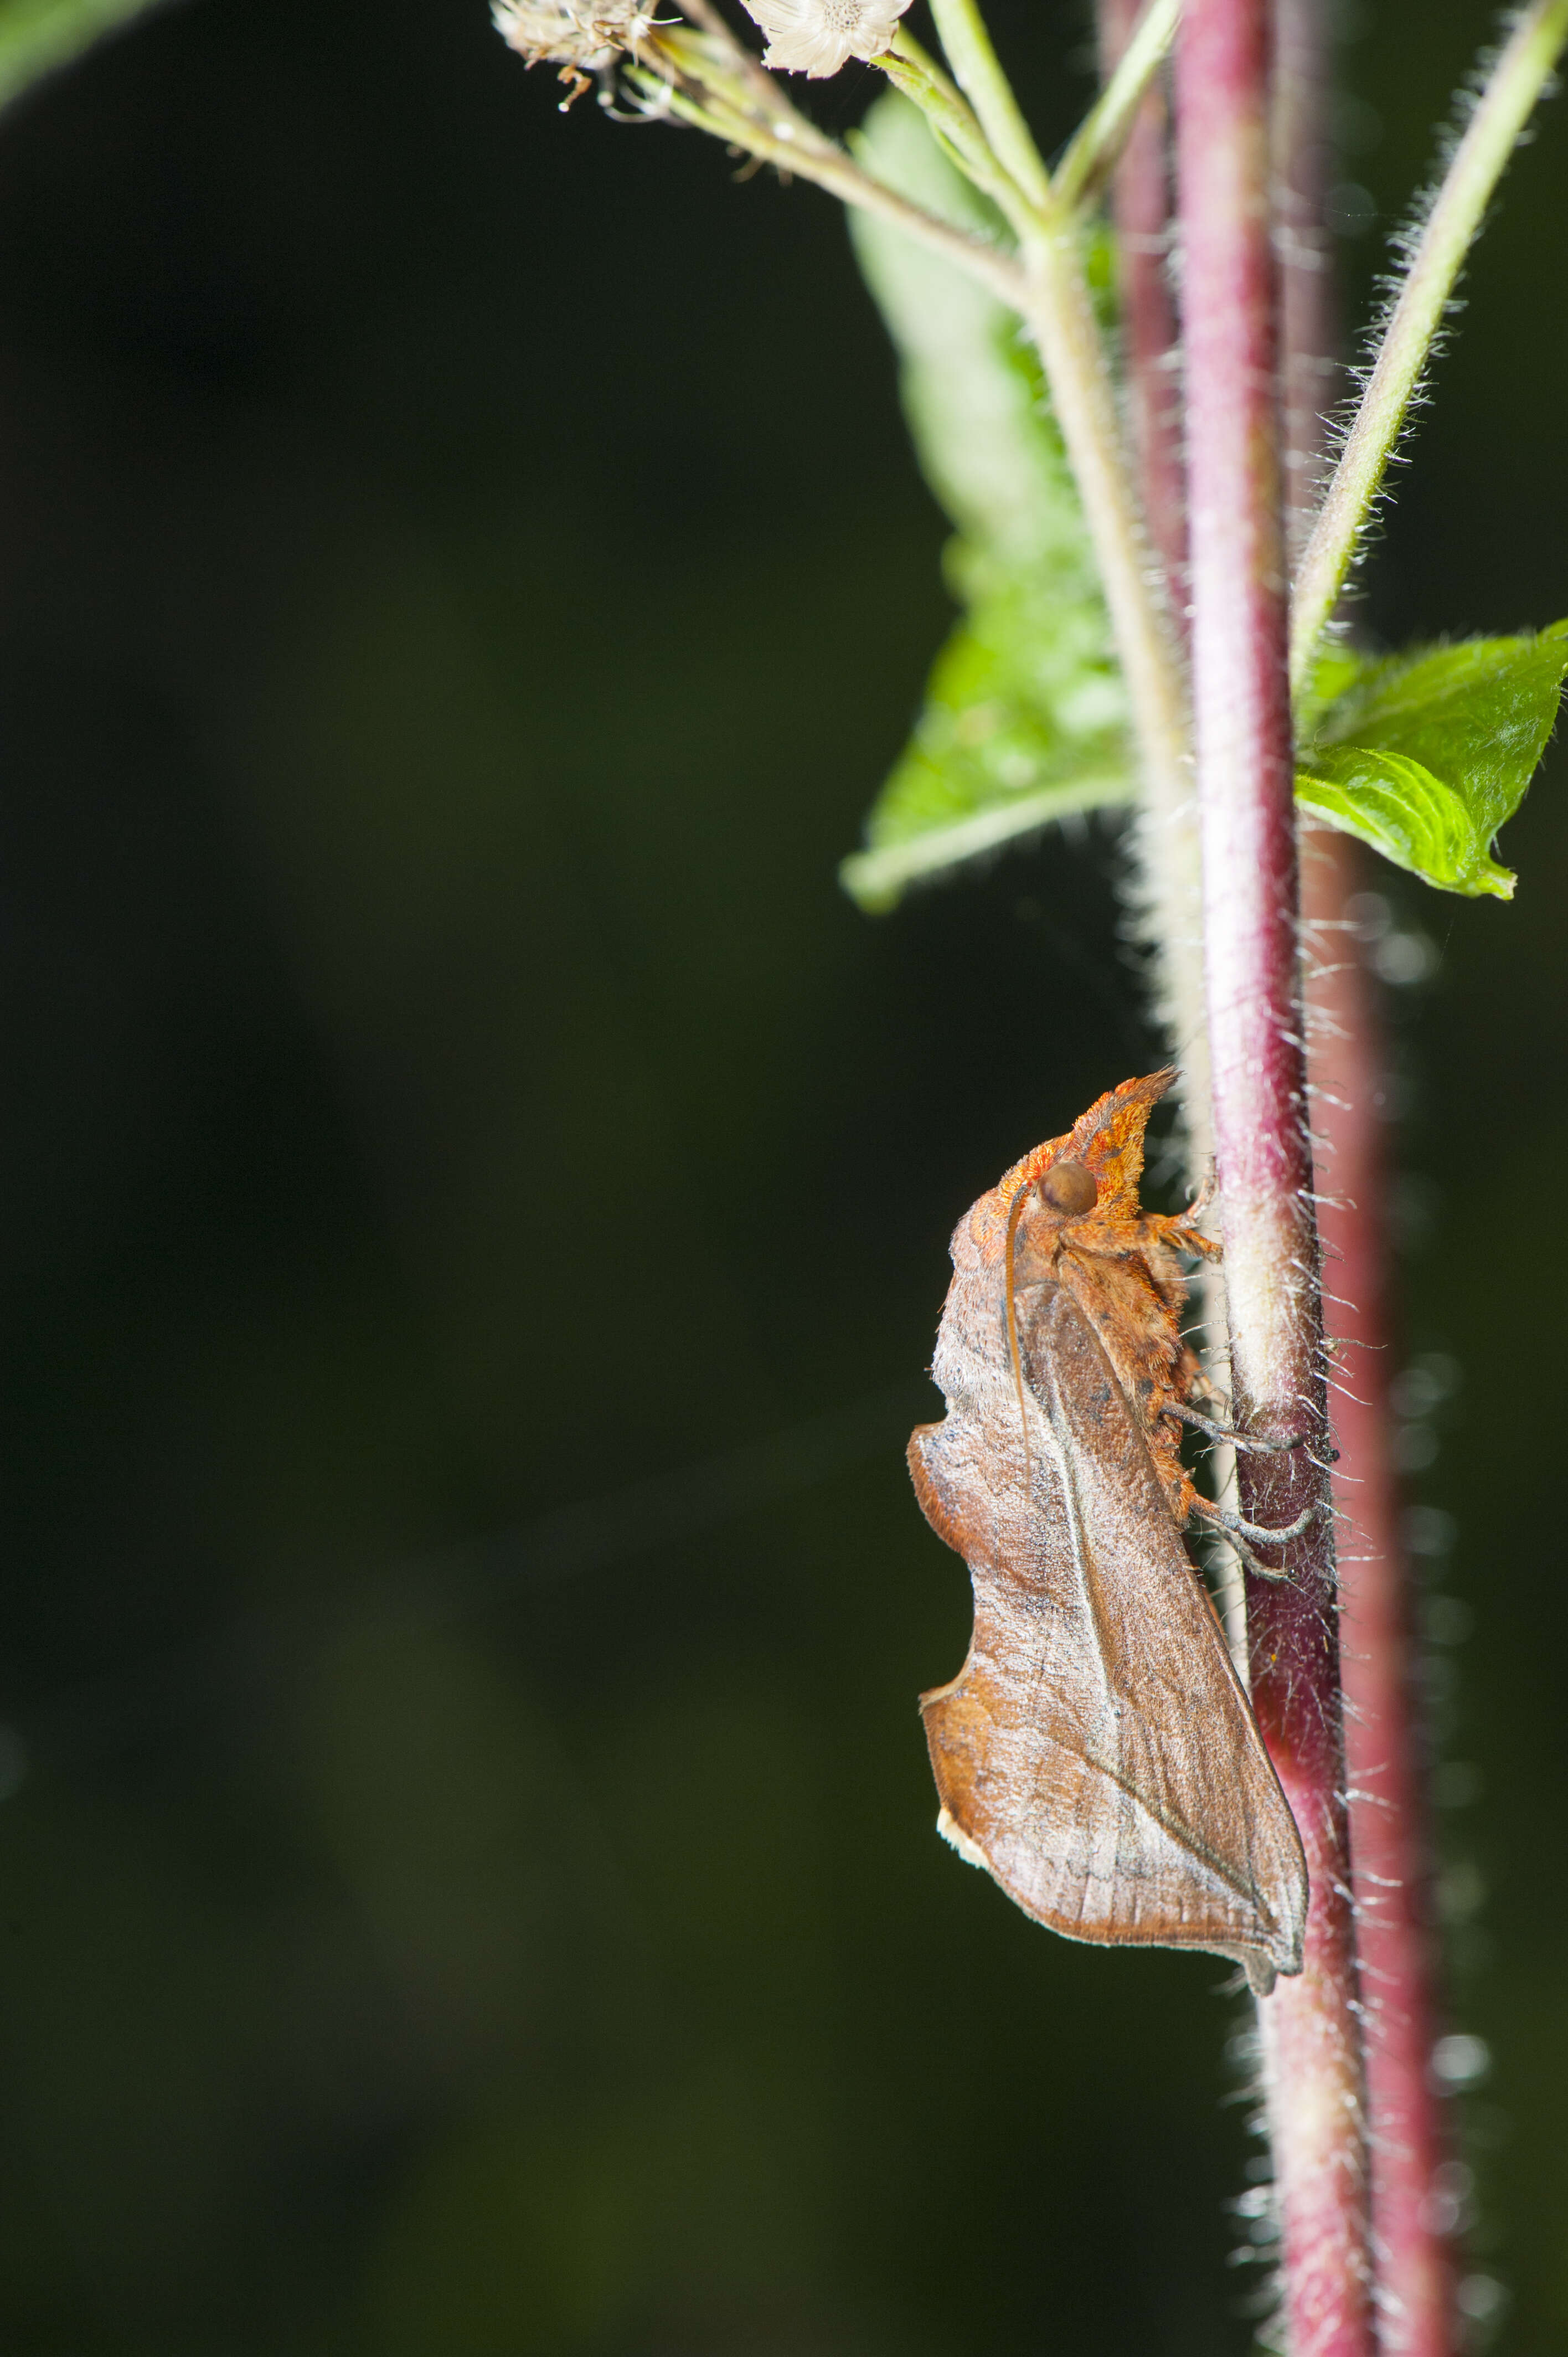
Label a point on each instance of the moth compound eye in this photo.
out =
(1069, 1188)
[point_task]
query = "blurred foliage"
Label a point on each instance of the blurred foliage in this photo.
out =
(36, 36)
(476, 1207)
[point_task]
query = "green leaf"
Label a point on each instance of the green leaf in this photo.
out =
(1026, 715)
(1424, 756)
(1402, 810)
(38, 35)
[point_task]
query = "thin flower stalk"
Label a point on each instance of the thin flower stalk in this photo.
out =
(686, 76)
(1061, 317)
(1131, 56)
(1059, 312)
(1504, 107)
(961, 31)
(918, 76)
(706, 77)
(1312, 2077)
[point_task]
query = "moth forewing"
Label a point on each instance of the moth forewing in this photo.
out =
(1097, 1752)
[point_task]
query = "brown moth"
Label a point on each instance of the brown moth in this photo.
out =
(1096, 1753)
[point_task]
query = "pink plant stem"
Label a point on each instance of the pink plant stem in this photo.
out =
(1388, 1812)
(1389, 1839)
(1141, 207)
(1389, 1830)
(1310, 377)
(1311, 2027)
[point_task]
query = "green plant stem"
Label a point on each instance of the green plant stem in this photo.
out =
(918, 76)
(978, 72)
(748, 68)
(904, 45)
(811, 157)
(1059, 312)
(1505, 105)
(1092, 152)
(1060, 315)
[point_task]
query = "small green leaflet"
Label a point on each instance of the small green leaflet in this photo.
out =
(38, 35)
(1423, 756)
(1024, 717)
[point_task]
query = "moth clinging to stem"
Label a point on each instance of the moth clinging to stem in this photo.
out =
(1096, 1753)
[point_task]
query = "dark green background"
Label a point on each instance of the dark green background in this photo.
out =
(475, 1205)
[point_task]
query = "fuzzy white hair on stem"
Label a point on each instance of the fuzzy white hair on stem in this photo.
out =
(817, 37)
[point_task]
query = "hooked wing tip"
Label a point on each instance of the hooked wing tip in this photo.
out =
(1282, 1957)
(1262, 1969)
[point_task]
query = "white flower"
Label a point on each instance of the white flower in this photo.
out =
(816, 36)
(573, 34)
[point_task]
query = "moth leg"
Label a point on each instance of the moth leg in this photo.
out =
(1237, 1525)
(1242, 1440)
(1244, 1552)
(1202, 1199)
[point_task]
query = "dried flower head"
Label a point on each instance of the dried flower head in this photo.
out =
(581, 37)
(817, 37)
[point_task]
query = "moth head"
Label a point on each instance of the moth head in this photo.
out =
(1069, 1188)
(1107, 1147)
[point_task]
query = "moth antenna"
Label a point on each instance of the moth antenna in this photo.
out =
(1015, 1213)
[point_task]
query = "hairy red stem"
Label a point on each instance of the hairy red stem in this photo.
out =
(1390, 1844)
(1141, 208)
(1390, 1826)
(1310, 376)
(1311, 2026)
